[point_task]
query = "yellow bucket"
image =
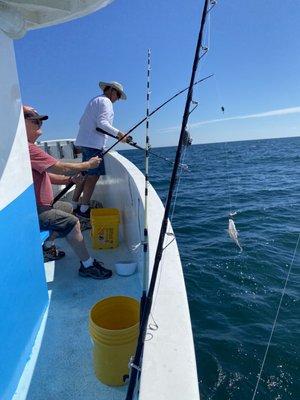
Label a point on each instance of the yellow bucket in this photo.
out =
(114, 328)
(105, 228)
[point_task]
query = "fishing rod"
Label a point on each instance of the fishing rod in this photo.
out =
(130, 141)
(136, 363)
(68, 187)
(154, 111)
(147, 150)
(62, 192)
(133, 144)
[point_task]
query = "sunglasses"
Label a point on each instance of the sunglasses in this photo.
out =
(37, 122)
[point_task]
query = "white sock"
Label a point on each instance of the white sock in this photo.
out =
(88, 263)
(84, 207)
(74, 204)
(48, 244)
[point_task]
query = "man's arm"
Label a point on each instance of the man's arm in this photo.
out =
(63, 168)
(65, 180)
(59, 179)
(104, 112)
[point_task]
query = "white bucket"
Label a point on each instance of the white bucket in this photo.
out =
(125, 268)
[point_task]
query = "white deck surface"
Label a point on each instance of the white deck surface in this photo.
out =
(64, 368)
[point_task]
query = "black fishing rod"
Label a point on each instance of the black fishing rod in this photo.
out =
(68, 187)
(154, 111)
(62, 192)
(136, 363)
(130, 141)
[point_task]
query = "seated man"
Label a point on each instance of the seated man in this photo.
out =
(58, 219)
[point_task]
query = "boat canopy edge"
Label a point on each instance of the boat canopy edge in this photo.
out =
(19, 16)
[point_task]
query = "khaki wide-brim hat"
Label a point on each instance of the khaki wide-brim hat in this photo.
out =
(115, 85)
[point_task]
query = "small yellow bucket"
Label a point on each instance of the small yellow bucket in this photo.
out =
(105, 228)
(114, 328)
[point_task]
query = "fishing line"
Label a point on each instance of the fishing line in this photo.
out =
(206, 49)
(231, 213)
(68, 187)
(154, 111)
(167, 245)
(195, 106)
(177, 185)
(232, 231)
(220, 98)
(212, 4)
(171, 219)
(130, 141)
(275, 320)
(207, 33)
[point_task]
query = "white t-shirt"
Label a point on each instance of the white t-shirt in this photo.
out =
(98, 113)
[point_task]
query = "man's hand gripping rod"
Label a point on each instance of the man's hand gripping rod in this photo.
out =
(68, 187)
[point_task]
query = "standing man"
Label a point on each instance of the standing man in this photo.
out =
(99, 113)
(59, 218)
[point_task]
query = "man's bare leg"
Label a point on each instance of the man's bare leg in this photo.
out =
(89, 267)
(76, 241)
(89, 186)
(52, 237)
(78, 190)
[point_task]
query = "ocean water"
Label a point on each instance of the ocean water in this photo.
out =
(233, 296)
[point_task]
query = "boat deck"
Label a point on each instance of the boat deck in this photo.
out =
(64, 368)
(61, 364)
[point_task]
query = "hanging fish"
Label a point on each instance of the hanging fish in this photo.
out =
(233, 233)
(187, 140)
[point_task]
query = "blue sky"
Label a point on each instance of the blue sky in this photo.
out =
(254, 54)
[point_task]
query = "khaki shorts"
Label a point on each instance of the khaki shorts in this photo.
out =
(58, 218)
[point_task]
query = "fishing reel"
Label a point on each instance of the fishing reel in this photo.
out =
(129, 140)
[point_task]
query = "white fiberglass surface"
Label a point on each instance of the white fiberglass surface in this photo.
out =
(15, 170)
(16, 17)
